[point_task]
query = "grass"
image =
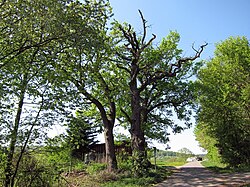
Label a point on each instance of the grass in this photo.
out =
(155, 176)
(170, 161)
(107, 179)
(223, 168)
(94, 175)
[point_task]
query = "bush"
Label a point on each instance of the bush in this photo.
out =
(33, 173)
(124, 164)
(79, 165)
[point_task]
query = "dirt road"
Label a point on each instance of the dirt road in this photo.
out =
(194, 174)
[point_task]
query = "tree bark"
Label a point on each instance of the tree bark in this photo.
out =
(108, 123)
(110, 149)
(8, 169)
(137, 134)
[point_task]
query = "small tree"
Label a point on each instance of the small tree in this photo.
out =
(81, 134)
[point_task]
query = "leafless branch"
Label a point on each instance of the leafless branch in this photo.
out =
(194, 48)
(172, 72)
(148, 43)
(144, 27)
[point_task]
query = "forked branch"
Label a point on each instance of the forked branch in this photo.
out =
(136, 46)
(175, 68)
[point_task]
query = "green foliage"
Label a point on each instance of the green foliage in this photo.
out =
(94, 168)
(32, 172)
(125, 162)
(140, 164)
(34, 36)
(81, 134)
(207, 142)
(223, 119)
(127, 179)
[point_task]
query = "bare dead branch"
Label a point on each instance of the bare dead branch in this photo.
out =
(172, 72)
(136, 41)
(144, 27)
(148, 43)
(136, 46)
(194, 48)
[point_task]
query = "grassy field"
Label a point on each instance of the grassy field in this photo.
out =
(171, 161)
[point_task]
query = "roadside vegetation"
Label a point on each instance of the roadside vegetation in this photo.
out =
(55, 166)
(68, 63)
(224, 168)
(223, 118)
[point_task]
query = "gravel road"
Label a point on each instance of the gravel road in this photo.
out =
(194, 174)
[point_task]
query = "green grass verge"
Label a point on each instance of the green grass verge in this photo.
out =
(223, 168)
(154, 177)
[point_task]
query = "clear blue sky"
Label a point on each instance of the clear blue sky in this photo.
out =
(196, 21)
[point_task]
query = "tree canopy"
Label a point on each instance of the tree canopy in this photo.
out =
(60, 56)
(224, 85)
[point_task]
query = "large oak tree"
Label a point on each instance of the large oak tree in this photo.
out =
(157, 82)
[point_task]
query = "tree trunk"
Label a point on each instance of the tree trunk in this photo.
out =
(108, 123)
(110, 148)
(8, 169)
(140, 164)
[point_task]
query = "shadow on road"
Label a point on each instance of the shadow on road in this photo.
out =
(199, 176)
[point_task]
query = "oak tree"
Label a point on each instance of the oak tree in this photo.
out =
(156, 83)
